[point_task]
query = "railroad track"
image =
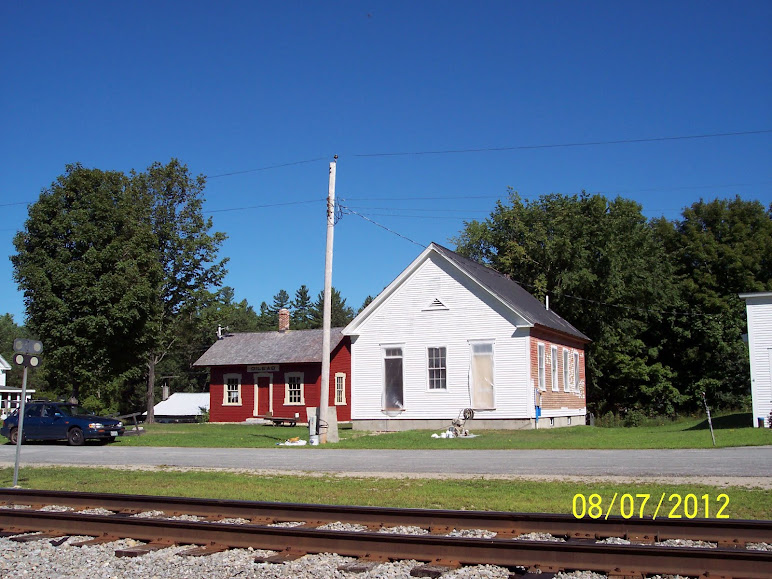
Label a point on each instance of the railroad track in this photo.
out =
(578, 550)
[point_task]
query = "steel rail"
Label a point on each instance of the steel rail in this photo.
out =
(616, 559)
(725, 532)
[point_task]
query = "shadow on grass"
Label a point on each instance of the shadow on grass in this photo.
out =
(267, 437)
(739, 420)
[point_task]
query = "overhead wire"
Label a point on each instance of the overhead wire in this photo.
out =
(347, 210)
(266, 168)
(566, 145)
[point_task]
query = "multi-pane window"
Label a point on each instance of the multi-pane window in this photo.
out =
(566, 371)
(576, 372)
(294, 389)
(340, 388)
(481, 376)
(554, 367)
(542, 369)
(392, 370)
(232, 389)
(437, 369)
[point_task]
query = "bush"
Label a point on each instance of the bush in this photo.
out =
(204, 416)
(634, 418)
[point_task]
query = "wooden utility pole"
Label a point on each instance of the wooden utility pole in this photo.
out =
(324, 397)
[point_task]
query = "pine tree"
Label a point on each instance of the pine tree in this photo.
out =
(301, 309)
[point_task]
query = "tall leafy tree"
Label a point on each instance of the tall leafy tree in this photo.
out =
(719, 248)
(184, 249)
(198, 330)
(86, 265)
(605, 272)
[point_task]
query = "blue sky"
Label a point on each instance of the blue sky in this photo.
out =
(240, 87)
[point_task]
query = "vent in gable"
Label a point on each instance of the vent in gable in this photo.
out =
(437, 305)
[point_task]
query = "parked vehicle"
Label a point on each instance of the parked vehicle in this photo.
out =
(45, 420)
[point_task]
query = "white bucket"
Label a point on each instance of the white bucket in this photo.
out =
(314, 440)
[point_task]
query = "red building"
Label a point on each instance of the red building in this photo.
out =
(276, 373)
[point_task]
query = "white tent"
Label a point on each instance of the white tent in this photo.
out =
(182, 407)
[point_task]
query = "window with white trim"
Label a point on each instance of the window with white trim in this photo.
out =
(340, 388)
(481, 376)
(393, 378)
(554, 367)
(542, 370)
(293, 394)
(438, 372)
(576, 372)
(566, 371)
(231, 390)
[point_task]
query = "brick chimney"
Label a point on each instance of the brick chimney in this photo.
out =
(284, 319)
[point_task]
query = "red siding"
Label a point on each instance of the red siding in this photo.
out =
(340, 361)
(551, 400)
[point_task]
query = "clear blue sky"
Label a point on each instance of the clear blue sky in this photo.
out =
(236, 86)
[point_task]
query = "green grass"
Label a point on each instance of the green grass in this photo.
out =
(730, 430)
(476, 493)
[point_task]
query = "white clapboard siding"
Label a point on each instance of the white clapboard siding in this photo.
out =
(759, 310)
(411, 317)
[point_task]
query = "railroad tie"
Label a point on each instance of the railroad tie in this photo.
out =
(203, 550)
(36, 537)
(433, 570)
(360, 566)
(281, 556)
(143, 549)
(101, 540)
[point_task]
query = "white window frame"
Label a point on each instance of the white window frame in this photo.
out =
(554, 368)
(566, 371)
(575, 383)
(541, 363)
(340, 392)
(443, 370)
(386, 356)
(226, 390)
(287, 377)
(492, 344)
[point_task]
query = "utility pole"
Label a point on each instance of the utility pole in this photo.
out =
(324, 397)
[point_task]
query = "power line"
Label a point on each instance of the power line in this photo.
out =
(566, 145)
(411, 198)
(407, 216)
(266, 168)
(264, 206)
(433, 210)
(348, 211)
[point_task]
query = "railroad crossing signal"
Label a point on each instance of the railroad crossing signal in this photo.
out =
(27, 352)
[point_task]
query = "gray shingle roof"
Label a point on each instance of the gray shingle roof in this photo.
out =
(511, 293)
(292, 346)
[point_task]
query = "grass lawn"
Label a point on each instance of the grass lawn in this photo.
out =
(470, 494)
(730, 430)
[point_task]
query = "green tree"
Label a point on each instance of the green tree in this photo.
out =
(340, 313)
(367, 302)
(85, 263)
(198, 331)
(301, 309)
(265, 319)
(719, 249)
(605, 272)
(185, 251)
